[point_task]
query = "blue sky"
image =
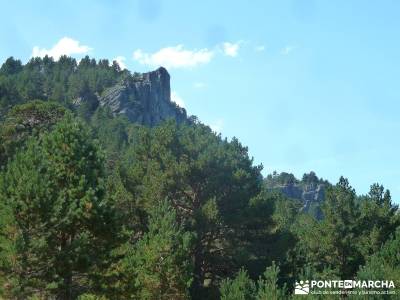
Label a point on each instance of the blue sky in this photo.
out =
(305, 84)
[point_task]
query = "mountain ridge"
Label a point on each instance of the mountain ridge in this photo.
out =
(144, 98)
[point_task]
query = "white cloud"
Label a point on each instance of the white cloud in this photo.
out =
(65, 46)
(259, 48)
(286, 50)
(174, 57)
(180, 57)
(121, 62)
(177, 99)
(217, 125)
(199, 85)
(231, 49)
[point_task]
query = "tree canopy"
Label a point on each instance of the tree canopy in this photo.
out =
(95, 207)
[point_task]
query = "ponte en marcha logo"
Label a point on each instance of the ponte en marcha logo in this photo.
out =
(360, 287)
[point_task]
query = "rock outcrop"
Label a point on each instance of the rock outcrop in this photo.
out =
(310, 194)
(310, 190)
(144, 99)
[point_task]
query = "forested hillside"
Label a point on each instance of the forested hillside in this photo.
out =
(96, 203)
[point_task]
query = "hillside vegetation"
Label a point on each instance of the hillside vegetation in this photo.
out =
(93, 206)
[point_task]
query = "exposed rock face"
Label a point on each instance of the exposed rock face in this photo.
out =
(308, 193)
(145, 99)
(310, 190)
(311, 195)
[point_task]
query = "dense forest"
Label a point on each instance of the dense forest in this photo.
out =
(93, 206)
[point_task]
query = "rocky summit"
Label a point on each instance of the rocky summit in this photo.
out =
(144, 98)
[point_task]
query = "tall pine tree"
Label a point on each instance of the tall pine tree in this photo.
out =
(58, 221)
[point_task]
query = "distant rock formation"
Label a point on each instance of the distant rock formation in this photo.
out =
(144, 99)
(310, 190)
(311, 195)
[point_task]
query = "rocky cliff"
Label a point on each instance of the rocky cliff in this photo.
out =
(311, 195)
(310, 190)
(144, 99)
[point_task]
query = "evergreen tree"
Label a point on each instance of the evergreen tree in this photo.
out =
(61, 224)
(75, 223)
(384, 265)
(27, 120)
(239, 288)
(340, 230)
(268, 286)
(112, 133)
(243, 288)
(210, 182)
(332, 244)
(379, 219)
(159, 266)
(63, 81)
(11, 66)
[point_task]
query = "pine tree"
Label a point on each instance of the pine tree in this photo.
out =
(159, 266)
(384, 265)
(378, 221)
(210, 183)
(331, 245)
(27, 120)
(60, 224)
(340, 230)
(268, 286)
(239, 288)
(243, 288)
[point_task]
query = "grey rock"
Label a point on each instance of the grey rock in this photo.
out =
(291, 191)
(311, 195)
(144, 99)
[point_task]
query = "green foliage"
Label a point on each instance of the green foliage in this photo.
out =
(268, 286)
(379, 219)
(339, 230)
(312, 179)
(54, 193)
(331, 244)
(301, 190)
(209, 181)
(112, 132)
(79, 224)
(11, 66)
(239, 288)
(243, 288)
(91, 297)
(63, 81)
(24, 121)
(275, 179)
(267, 236)
(384, 264)
(351, 231)
(159, 266)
